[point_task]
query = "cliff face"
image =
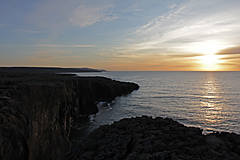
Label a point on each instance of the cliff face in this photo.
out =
(36, 111)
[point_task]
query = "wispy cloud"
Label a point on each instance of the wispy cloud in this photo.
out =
(43, 57)
(49, 56)
(27, 31)
(72, 46)
(88, 15)
(231, 56)
(52, 15)
(230, 51)
(176, 39)
(171, 6)
(192, 22)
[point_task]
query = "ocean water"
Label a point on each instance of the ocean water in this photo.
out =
(208, 100)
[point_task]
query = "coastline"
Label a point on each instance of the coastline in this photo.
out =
(37, 110)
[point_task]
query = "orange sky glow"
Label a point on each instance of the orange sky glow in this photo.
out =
(186, 35)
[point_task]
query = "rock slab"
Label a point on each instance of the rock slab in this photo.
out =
(147, 138)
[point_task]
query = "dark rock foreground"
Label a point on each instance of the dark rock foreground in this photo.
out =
(36, 110)
(145, 138)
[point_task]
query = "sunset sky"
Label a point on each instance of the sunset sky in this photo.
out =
(124, 35)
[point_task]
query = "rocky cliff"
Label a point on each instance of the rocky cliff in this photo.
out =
(147, 138)
(36, 110)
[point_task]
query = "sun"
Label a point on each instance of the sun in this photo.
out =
(209, 59)
(211, 62)
(208, 62)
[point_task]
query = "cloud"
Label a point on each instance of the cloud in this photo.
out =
(50, 45)
(27, 31)
(230, 51)
(44, 56)
(88, 15)
(231, 55)
(191, 22)
(50, 56)
(59, 14)
(66, 46)
(171, 6)
(184, 55)
(52, 14)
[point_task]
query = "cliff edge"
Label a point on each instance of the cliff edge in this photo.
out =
(36, 110)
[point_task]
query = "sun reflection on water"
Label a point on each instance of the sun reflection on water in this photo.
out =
(211, 105)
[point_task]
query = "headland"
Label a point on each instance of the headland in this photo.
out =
(37, 107)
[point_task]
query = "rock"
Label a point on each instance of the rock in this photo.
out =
(36, 111)
(213, 141)
(156, 138)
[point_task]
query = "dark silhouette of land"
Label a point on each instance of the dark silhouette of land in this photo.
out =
(147, 138)
(47, 69)
(38, 106)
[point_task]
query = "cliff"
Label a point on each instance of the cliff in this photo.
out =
(36, 110)
(147, 138)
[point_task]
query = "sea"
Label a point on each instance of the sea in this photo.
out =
(207, 100)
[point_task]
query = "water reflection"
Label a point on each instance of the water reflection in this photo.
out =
(208, 100)
(211, 105)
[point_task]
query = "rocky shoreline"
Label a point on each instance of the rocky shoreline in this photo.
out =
(147, 138)
(37, 109)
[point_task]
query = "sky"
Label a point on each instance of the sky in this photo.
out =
(121, 35)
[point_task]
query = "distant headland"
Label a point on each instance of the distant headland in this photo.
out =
(48, 69)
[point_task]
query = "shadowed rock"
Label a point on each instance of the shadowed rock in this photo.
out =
(145, 138)
(36, 110)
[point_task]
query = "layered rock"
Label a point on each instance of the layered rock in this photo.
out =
(146, 138)
(36, 110)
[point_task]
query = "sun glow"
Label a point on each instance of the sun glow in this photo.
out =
(211, 62)
(208, 47)
(209, 59)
